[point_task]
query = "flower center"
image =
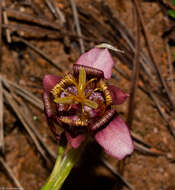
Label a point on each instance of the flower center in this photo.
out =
(91, 94)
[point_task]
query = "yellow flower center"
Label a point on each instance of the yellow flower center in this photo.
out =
(80, 97)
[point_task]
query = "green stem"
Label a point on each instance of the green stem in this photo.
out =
(62, 168)
(66, 166)
(55, 170)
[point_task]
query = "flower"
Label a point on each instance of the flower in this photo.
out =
(82, 104)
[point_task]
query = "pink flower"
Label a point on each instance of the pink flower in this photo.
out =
(81, 103)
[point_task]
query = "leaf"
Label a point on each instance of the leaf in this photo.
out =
(171, 13)
(173, 2)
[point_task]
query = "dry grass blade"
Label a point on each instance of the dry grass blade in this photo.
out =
(1, 119)
(38, 51)
(11, 174)
(115, 173)
(21, 117)
(75, 15)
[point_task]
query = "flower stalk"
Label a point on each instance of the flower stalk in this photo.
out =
(62, 168)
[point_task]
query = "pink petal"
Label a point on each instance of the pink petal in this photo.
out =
(49, 81)
(118, 96)
(99, 59)
(76, 141)
(116, 139)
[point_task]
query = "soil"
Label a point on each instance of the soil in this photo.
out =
(22, 65)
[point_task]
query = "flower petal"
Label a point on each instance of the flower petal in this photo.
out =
(76, 141)
(49, 81)
(52, 128)
(99, 59)
(49, 106)
(116, 139)
(118, 96)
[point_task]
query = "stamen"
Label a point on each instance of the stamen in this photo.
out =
(63, 100)
(91, 103)
(82, 81)
(67, 80)
(71, 122)
(106, 92)
(91, 80)
(96, 89)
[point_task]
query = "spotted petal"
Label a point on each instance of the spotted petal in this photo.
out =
(76, 141)
(49, 81)
(98, 58)
(116, 139)
(118, 96)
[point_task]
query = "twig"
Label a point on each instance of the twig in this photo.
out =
(1, 119)
(134, 83)
(115, 173)
(170, 79)
(75, 14)
(42, 54)
(148, 151)
(29, 18)
(54, 9)
(59, 13)
(34, 31)
(135, 77)
(166, 118)
(0, 33)
(1, 89)
(11, 174)
(170, 68)
(45, 32)
(137, 138)
(36, 9)
(8, 35)
(51, 8)
(167, 4)
(152, 54)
